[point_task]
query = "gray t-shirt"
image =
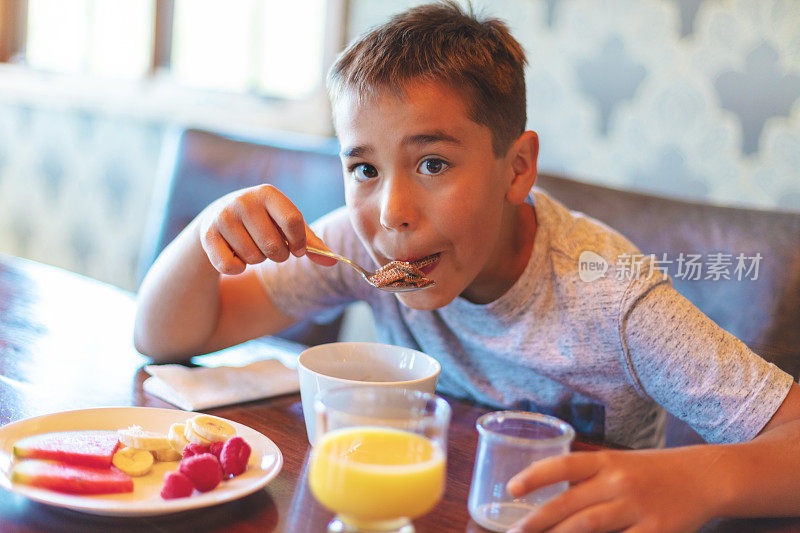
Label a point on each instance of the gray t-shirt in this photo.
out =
(601, 353)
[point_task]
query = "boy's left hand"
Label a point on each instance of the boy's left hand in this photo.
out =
(632, 491)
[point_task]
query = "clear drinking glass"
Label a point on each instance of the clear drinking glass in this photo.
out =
(379, 456)
(508, 442)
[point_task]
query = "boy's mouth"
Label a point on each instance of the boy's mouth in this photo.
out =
(425, 264)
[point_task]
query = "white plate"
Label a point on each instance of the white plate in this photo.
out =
(266, 461)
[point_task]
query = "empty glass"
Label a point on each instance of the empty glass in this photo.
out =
(509, 441)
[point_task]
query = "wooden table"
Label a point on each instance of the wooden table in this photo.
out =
(66, 343)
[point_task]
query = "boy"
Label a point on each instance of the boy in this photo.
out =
(430, 112)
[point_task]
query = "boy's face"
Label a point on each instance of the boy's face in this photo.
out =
(421, 179)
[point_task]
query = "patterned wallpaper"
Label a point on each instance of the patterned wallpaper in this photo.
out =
(75, 188)
(695, 99)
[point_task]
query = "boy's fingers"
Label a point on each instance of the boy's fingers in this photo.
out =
(316, 242)
(222, 258)
(566, 504)
(287, 218)
(606, 516)
(572, 467)
(241, 243)
(266, 236)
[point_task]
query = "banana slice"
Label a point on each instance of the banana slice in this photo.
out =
(191, 436)
(211, 428)
(177, 440)
(133, 461)
(136, 437)
(167, 454)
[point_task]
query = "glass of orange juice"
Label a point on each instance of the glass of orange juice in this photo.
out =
(379, 456)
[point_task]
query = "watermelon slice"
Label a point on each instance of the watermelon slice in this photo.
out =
(82, 448)
(71, 479)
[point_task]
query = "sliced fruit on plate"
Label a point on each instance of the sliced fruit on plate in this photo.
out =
(166, 455)
(87, 448)
(204, 470)
(177, 440)
(192, 436)
(211, 428)
(176, 485)
(136, 437)
(133, 461)
(71, 479)
(234, 456)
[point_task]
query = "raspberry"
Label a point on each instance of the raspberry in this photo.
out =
(176, 485)
(204, 471)
(215, 448)
(234, 456)
(194, 449)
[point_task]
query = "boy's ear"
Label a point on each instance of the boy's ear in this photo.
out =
(522, 155)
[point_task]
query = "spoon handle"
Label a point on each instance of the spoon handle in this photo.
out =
(339, 258)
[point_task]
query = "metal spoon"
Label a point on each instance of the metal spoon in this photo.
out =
(366, 274)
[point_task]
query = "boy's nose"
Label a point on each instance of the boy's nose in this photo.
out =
(398, 204)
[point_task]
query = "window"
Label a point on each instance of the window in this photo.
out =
(236, 56)
(106, 38)
(242, 46)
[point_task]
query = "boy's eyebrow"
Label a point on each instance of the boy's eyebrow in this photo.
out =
(356, 151)
(431, 137)
(418, 139)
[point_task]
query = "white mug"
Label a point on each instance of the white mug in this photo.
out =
(344, 364)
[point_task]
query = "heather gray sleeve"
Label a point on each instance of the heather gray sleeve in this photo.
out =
(696, 370)
(302, 289)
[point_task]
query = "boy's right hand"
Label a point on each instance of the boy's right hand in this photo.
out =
(252, 225)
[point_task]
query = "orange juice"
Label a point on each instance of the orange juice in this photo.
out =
(376, 474)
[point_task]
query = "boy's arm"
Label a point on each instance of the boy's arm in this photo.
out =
(764, 474)
(688, 364)
(672, 490)
(201, 296)
(185, 307)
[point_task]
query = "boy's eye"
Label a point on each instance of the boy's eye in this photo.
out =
(433, 166)
(364, 171)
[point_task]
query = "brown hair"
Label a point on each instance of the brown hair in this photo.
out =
(442, 43)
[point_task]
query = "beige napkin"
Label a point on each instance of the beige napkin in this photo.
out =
(247, 376)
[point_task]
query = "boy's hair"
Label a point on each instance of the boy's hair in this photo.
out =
(442, 43)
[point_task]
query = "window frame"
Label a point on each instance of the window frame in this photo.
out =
(13, 21)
